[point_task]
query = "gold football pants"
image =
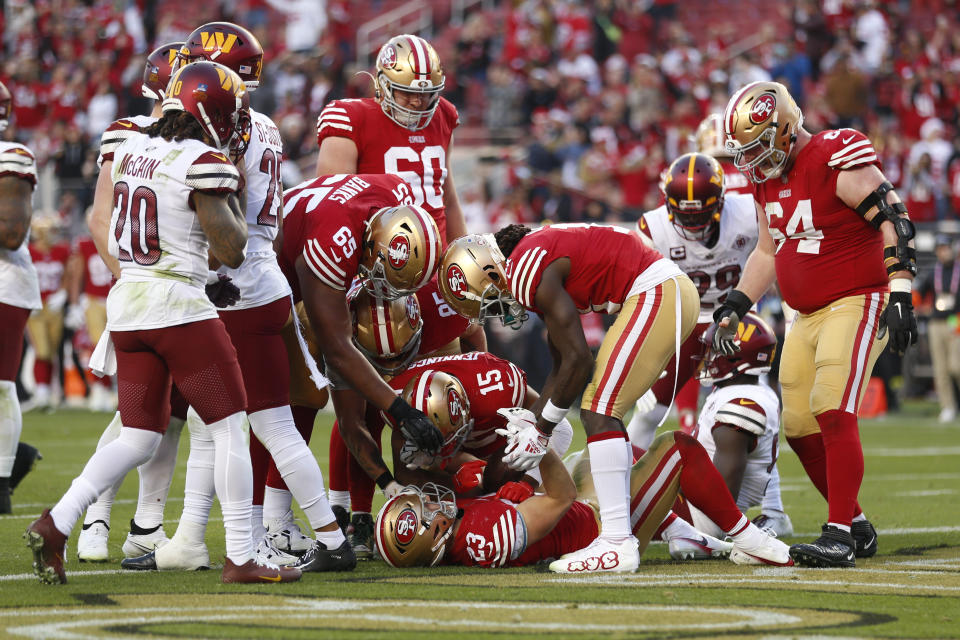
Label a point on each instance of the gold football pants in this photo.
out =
(45, 327)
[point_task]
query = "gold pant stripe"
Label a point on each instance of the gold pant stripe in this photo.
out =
(866, 333)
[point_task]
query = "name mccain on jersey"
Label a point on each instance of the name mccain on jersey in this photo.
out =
(138, 167)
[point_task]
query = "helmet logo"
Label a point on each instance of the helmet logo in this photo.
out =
(217, 41)
(455, 406)
(457, 281)
(406, 526)
(398, 251)
(388, 57)
(763, 108)
(413, 312)
(200, 93)
(171, 56)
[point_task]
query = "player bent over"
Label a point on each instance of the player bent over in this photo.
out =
(174, 192)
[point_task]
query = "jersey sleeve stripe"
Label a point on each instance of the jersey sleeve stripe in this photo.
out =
(334, 116)
(497, 547)
(732, 407)
(528, 292)
(859, 161)
(850, 156)
(521, 274)
(745, 423)
(331, 264)
(324, 276)
(335, 125)
(332, 109)
(850, 147)
(519, 388)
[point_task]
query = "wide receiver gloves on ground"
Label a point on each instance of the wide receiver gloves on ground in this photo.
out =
(526, 445)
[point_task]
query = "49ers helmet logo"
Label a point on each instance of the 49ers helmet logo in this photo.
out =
(455, 406)
(413, 312)
(763, 108)
(457, 281)
(398, 251)
(406, 526)
(388, 57)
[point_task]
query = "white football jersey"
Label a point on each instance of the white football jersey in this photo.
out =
(753, 408)
(118, 132)
(19, 286)
(259, 278)
(716, 270)
(157, 237)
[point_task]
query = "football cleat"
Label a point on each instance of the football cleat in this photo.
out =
(343, 517)
(92, 542)
(138, 544)
(864, 538)
(703, 547)
(285, 535)
(601, 555)
(779, 524)
(24, 462)
(266, 552)
(146, 562)
(256, 571)
(361, 535)
(760, 548)
(179, 555)
(320, 559)
(49, 548)
(833, 549)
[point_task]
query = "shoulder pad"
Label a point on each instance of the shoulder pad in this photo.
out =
(743, 414)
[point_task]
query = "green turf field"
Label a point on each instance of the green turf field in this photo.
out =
(911, 589)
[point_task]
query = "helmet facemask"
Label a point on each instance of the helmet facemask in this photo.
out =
(377, 282)
(497, 303)
(766, 160)
(411, 119)
(693, 223)
(413, 528)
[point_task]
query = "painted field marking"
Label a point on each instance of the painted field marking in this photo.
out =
(908, 452)
(789, 578)
(925, 493)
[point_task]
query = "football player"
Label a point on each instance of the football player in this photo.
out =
(19, 291)
(175, 194)
(740, 425)
(146, 526)
(406, 129)
(708, 234)
(422, 527)
(827, 216)
(709, 139)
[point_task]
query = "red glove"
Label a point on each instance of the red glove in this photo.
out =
(515, 492)
(468, 476)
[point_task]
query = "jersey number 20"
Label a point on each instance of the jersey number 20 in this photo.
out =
(141, 208)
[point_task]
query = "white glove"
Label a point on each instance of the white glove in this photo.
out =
(55, 301)
(415, 458)
(392, 489)
(647, 402)
(74, 318)
(526, 445)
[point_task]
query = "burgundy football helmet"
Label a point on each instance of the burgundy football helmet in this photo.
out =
(157, 71)
(758, 346)
(215, 96)
(693, 189)
(6, 106)
(229, 44)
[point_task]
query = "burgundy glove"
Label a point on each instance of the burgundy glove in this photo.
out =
(515, 492)
(469, 476)
(223, 293)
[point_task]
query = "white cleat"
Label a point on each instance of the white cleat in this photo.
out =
(777, 523)
(267, 553)
(176, 555)
(703, 547)
(138, 544)
(285, 535)
(601, 556)
(761, 548)
(92, 542)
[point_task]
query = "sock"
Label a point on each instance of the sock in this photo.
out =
(295, 462)
(859, 517)
(260, 463)
(331, 539)
(111, 463)
(703, 485)
(303, 418)
(838, 525)
(43, 373)
(643, 426)
(841, 440)
(813, 457)
(277, 504)
(256, 522)
(340, 499)
(681, 507)
(190, 533)
(156, 474)
(610, 468)
(772, 502)
(233, 479)
(11, 425)
(362, 488)
(670, 518)
(100, 510)
(198, 490)
(339, 462)
(677, 528)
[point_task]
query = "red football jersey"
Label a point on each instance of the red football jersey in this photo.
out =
(324, 218)
(383, 146)
(825, 250)
(604, 263)
(50, 265)
(97, 278)
(491, 383)
(441, 324)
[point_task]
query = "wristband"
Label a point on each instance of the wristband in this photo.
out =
(212, 277)
(553, 413)
(399, 409)
(384, 479)
(901, 285)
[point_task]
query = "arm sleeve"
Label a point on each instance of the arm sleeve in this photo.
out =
(213, 172)
(17, 161)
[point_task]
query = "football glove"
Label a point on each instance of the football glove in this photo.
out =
(899, 318)
(515, 492)
(73, 319)
(392, 489)
(526, 445)
(733, 308)
(414, 458)
(222, 292)
(415, 426)
(469, 476)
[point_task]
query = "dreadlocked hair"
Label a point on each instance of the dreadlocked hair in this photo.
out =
(176, 125)
(509, 237)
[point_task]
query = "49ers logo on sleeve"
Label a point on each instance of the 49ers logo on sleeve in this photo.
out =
(455, 406)
(406, 526)
(457, 281)
(763, 108)
(388, 57)
(398, 251)
(413, 312)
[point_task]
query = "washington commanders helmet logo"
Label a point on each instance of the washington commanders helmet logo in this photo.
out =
(413, 312)
(455, 405)
(388, 57)
(217, 41)
(457, 281)
(406, 526)
(763, 108)
(398, 251)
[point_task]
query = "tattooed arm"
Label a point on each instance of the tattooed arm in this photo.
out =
(224, 224)
(15, 211)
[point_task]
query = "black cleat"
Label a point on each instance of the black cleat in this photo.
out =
(5, 504)
(24, 462)
(343, 517)
(361, 535)
(865, 538)
(833, 549)
(320, 559)
(146, 562)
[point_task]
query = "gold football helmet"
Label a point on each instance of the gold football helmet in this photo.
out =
(413, 527)
(387, 332)
(443, 399)
(760, 123)
(473, 281)
(401, 250)
(408, 63)
(708, 138)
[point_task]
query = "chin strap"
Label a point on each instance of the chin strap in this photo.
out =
(901, 257)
